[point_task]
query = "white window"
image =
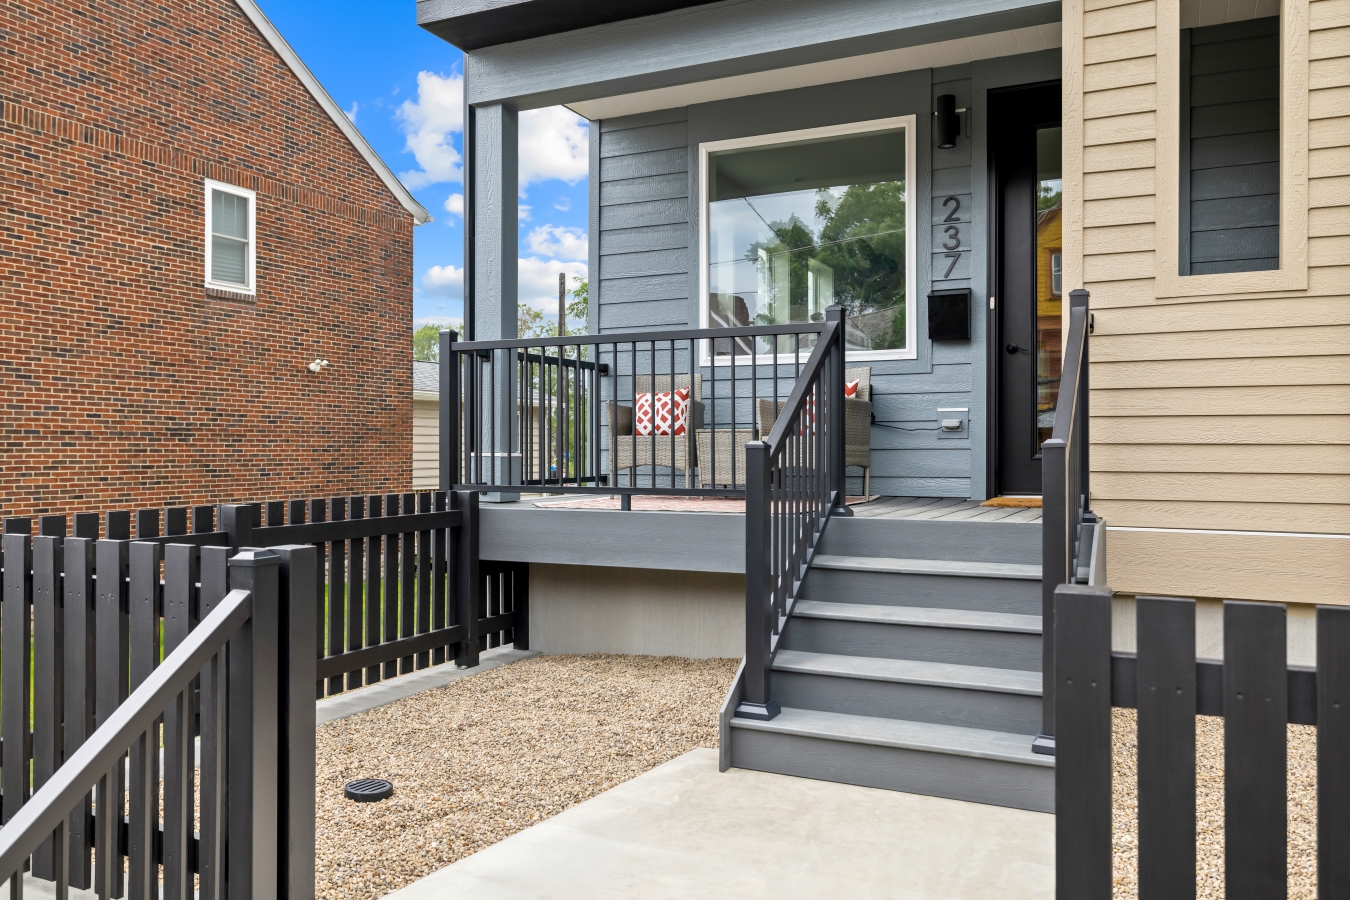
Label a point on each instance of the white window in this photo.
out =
(230, 242)
(797, 221)
(1056, 274)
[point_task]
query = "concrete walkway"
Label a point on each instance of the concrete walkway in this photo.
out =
(685, 830)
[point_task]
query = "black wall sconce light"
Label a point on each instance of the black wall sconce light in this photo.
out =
(948, 121)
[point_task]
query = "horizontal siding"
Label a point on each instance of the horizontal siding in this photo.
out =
(426, 453)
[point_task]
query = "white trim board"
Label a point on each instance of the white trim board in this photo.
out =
(316, 90)
(909, 124)
(887, 62)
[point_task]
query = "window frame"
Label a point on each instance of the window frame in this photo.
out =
(252, 253)
(1292, 275)
(909, 124)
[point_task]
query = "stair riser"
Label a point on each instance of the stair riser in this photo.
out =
(993, 649)
(935, 774)
(1002, 595)
(992, 710)
(908, 539)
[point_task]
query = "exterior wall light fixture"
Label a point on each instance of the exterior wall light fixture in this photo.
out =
(948, 125)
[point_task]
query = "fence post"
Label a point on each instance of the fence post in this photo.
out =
(15, 671)
(298, 594)
(1333, 749)
(236, 520)
(468, 581)
(759, 612)
(1079, 298)
(253, 740)
(837, 417)
(451, 420)
(1054, 572)
(520, 605)
(1083, 758)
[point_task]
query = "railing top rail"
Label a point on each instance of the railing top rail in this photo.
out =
(787, 419)
(643, 337)
(52, 803)
(1067, 408)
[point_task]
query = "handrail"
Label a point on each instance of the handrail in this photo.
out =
(51, 804)
(628, 337)
(1065, 498)
(794, 483)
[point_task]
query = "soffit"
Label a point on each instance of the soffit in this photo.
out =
(905, 59)
(474, 24)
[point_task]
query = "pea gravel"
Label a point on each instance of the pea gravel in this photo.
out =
(484, 757)
(1302, 808)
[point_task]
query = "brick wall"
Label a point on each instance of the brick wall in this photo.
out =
(123, 382)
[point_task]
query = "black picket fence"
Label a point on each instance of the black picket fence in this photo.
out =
(1255, 691)
(401, 587)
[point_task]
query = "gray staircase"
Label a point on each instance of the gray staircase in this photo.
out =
(912, 662)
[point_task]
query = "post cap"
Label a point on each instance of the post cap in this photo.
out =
(255, 557)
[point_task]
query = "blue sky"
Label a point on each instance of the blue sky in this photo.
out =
(402, 87)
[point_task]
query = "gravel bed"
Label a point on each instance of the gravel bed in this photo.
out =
(487, 756)
(1302, 793)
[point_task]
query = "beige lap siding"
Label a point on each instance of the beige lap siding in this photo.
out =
(1221, 422)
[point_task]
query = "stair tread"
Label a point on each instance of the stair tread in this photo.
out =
(958, 569)
(900, 733)
(932, 617)
(910, 671)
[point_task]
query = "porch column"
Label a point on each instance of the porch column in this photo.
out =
(493, 131)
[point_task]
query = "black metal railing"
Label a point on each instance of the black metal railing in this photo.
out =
(97, 797)
(1256, 692)
(568, 415)
(794, 483)
(1065, 498)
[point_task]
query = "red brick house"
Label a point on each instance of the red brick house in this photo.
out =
(189, 221)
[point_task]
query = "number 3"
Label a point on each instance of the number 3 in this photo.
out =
(953, 241)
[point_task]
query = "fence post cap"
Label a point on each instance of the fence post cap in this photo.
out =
(255, 557)
(834, 313)
(1084, 590)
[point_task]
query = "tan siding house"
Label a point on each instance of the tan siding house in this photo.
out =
(426, 426)
(1220, 402)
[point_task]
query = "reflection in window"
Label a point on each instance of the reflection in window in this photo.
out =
(1049, 279)
(794, 228)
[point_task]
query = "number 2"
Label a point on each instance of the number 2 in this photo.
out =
(951, 216)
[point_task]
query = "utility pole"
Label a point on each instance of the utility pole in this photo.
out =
(562, 304)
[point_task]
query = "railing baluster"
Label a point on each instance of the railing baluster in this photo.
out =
(111, 660)
(213, 797)
(181, 573)
(48, 671)
(143, 793)
(78, 586)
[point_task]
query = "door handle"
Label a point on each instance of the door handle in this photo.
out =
(1013, 348)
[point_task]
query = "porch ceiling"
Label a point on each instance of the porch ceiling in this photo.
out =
(906, 59)
(716, 43)
(474, 24)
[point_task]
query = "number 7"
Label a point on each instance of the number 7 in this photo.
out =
(955, 258)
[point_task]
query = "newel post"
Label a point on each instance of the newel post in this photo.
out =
(835, 416)
(451, 420)
(759, 611)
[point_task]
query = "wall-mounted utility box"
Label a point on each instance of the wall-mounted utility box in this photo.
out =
(949, 315)
(953, 422)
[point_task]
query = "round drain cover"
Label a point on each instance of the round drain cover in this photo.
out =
(368, 790)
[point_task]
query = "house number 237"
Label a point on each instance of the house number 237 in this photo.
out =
(951, 234)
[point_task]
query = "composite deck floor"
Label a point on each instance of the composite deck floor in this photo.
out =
(945, 508)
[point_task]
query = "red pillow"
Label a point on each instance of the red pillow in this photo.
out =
(645, 423)
(851, 389)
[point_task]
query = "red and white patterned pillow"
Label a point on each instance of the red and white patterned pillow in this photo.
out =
(659, 423)
(851, 389)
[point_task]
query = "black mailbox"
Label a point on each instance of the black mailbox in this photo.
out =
(949, 315)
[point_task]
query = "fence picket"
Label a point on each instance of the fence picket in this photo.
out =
(48, 670)
(337, 593)
(15, 641)
(407, 600)
(147, 523)
(276, 512)
(52, 526)
(374, 585)
(356, 590)
(439, 572)
(390, 585)
(1083, 743)
(1255, 709)
(181, 573)
(1166, 736)
(78, 707)
(213, 798)
(423, 580)
(110, 690)
(86, 526)
(176, 520)
(1333, 751)
(117, 525)
(143, 654)
(318, 512)
(203, 519)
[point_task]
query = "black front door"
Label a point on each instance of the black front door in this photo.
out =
(1024, 149)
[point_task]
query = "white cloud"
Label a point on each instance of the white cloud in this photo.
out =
(559, 242)
(351, 113)
(553, 144)
(523, 213)
(563, 204)
(538, 281)
(454, 204)
(443, 281)
(427, 123)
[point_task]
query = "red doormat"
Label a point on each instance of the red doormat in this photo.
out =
(1014, 502)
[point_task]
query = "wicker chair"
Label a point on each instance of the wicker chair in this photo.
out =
(857, 424)
(715, 468)
(629, 452)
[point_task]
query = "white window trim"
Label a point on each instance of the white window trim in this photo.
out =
(249, 266)
(910, 125)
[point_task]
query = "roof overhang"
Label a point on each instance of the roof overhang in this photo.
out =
(475, 24)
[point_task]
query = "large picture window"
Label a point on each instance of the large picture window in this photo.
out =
(796, 222)
(229, 237)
